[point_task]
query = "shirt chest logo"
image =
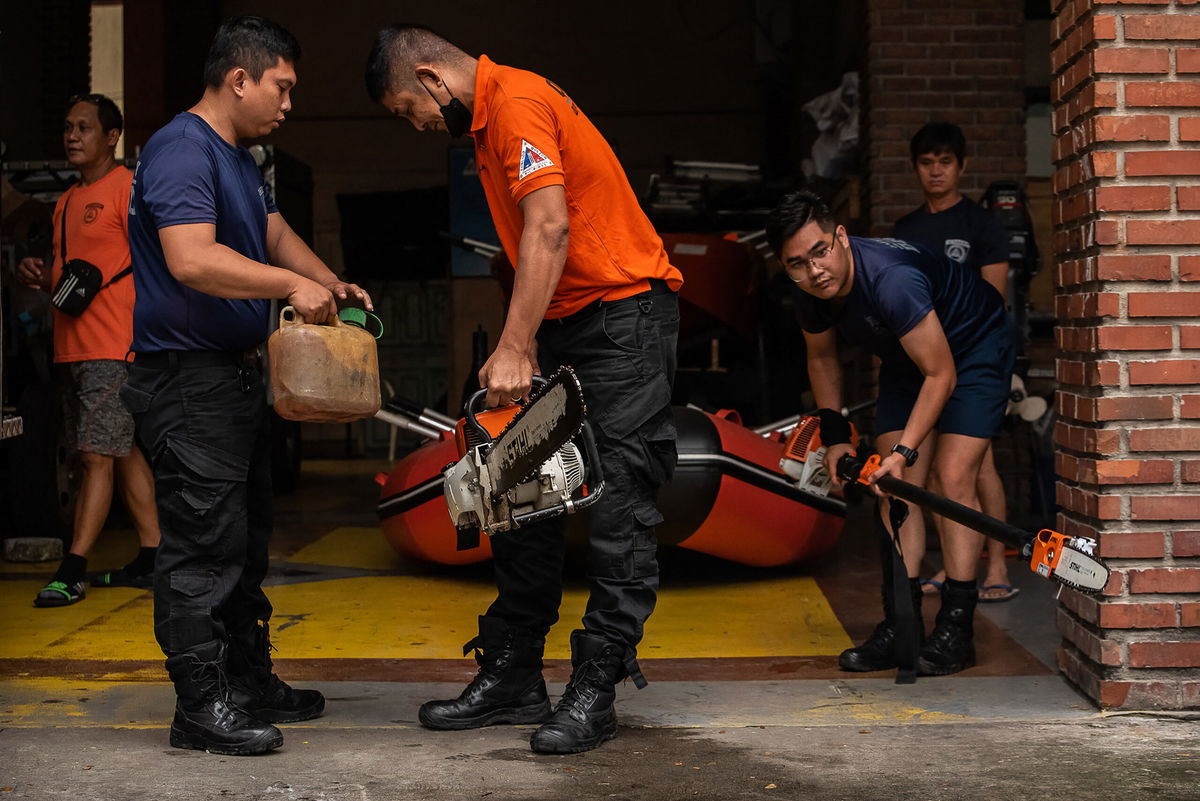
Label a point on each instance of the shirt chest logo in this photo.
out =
(91, 212)
(879, 329)
(531, 160)
(957, 250)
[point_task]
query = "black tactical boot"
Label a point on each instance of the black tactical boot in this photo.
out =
(255, 687)
(584, 717)
(879, 650)
(205, 717)
(508, 688)
(951, 646)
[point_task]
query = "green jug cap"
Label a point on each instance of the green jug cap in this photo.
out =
(352, 315)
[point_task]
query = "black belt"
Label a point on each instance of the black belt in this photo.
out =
(657, 287)
(175, 360)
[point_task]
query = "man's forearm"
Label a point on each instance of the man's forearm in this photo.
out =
(825, 377)
(935, 391)
(542, 256)
(224, 273)
(292, 253)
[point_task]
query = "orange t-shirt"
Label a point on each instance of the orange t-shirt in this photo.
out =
(529, 134)
(97, 232)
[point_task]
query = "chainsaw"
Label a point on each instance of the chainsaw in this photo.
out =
(803, 458)
(522, 464)
(1071, 561)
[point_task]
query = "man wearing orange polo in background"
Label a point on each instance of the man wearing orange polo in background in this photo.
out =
(593, 290)
(90, 224)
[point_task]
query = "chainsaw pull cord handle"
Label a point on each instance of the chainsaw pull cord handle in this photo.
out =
(469, 410)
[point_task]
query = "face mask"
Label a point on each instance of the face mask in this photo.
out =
(456, 115)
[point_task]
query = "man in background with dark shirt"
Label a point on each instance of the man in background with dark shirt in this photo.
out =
(208, 246)
(945, 353)
(949, 223)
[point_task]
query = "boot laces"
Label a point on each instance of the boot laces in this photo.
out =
(492, 662)
(199, 672)
(583, 688)
(202, 671)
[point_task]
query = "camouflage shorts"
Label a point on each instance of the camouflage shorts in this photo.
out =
(96, 420)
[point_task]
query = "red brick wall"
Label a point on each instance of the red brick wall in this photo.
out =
(956, 61)
(1127, 158)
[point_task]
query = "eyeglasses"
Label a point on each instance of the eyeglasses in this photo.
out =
(92, 97)
(824, 251)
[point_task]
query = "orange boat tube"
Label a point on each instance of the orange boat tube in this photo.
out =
(728, 499)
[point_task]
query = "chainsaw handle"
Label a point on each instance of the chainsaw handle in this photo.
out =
(855, 470)
(476, 400)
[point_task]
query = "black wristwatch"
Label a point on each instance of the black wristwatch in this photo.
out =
(910, 454)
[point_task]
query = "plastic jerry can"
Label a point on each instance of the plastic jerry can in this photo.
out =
(325, 373)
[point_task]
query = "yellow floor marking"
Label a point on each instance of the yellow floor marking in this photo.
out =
(423, 617)
(50, 702)
(878, 712)
(773, 617)
(351, 546)
(29, 632)
(398, 617)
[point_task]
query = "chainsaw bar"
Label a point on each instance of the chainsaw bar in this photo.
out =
(1069, 560)
(551, 419)
(1079, 571)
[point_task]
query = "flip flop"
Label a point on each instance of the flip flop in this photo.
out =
(930, 587)
(1008, 593)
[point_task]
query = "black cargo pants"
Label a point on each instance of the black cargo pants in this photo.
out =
(202, 420)
(624, 355)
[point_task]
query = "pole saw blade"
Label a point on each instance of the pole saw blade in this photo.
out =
(551, 419)
(1069, 560)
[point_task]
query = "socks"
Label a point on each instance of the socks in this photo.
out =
(72, 569)
(142, 563)
(962, 586)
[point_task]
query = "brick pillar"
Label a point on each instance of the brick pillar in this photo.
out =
(1127, 228)
(956, 61)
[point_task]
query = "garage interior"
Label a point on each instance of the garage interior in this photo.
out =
(714, 109)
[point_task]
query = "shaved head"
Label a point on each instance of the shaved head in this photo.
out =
(398, 49)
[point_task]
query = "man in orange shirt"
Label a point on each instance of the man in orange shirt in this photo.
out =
(90, 349)
(593, 290)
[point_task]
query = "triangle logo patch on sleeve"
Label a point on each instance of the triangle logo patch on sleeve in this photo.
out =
(532, 160)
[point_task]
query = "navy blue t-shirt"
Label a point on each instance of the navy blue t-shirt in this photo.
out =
(188, 174)
(896, 284)
(966, 232)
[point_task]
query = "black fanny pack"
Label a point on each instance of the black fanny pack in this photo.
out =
(80, 282)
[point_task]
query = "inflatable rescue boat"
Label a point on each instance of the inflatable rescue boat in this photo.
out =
(730, 496)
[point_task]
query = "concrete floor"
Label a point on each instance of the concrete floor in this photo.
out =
(745, 699)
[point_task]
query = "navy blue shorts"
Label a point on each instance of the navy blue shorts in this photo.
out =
(974, 409)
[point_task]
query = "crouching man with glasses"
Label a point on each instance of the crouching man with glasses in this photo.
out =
(946, 354)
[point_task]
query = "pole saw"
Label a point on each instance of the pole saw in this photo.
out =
(1068, 560)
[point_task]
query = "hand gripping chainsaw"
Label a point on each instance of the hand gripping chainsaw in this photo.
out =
(523, 464)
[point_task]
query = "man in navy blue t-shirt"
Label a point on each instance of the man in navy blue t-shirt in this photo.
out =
(209, 249)
(945, 353)
(948, 222)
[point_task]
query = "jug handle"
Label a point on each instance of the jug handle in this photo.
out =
(289, 317)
